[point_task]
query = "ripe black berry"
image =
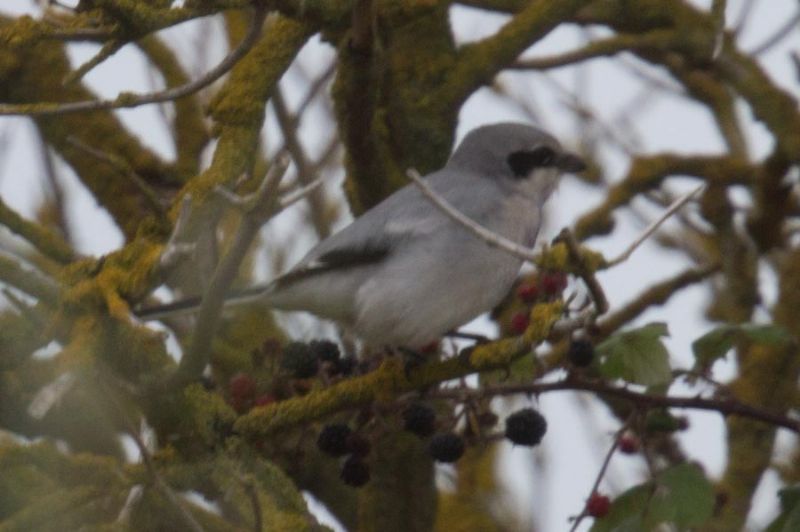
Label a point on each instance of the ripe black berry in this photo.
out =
(581, 352)
(325, 350)
(446, 447)
(333, 439)
(355, 472)
(300, 360)
(345, 365)
(419, 419)
(358, 445)
(526, 427)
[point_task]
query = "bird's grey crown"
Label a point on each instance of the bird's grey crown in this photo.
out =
(486, 149)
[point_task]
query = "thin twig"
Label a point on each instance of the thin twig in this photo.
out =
(144, 452)
(588, 277)
(600, 474)
(127, 100)
(262, 206)
(175, 248)
(300, 193)
(725, 406)
(108, 49)
(27, 279)
(718, 16)
(653, 227)
(123, 168)
(777, 37)
(490, 237)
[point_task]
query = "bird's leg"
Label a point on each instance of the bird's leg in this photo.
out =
(477, 338)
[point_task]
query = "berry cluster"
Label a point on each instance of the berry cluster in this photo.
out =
(338, 439)
(300, 360)
(547, 286)
(305, 360)
(445, 447)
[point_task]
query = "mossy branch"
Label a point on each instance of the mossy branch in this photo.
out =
(647, 173)
(45, 241)
(391, 379)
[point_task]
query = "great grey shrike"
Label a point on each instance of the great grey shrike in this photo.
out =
(404, 273)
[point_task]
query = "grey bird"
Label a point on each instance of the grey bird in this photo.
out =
(403, 273)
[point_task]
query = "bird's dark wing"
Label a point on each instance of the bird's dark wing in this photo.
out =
(336, 258)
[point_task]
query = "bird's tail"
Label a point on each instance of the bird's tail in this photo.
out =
(192, 304)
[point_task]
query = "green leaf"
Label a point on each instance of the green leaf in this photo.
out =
(716, 343)
(680, 495)
(690, 496)
(713, 345)
(789, 518)
(636, 356)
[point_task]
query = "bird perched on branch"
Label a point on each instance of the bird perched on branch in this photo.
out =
(404, 273)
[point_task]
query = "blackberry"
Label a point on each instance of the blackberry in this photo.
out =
(446, 447)
(325, 350)
(526, 427)
(358, 445)
(580, 352)
(300, 360)
(419, 419)
(333, 439)
(345, 366)
(355, 472)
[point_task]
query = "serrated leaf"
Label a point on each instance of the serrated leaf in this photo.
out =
(680, 495)
(637, 356)
(713, 345)
(716, 343)
(691, 495)
(773, 335)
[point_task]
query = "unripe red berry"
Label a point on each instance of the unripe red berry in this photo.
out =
(598, 505)
(265, 399)
(629, 444)
(528, 292)
(519, 322)
(242, 386)
(553, 283)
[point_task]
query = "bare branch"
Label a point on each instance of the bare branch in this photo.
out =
(261, 207)
(127, 100)
(653, 227)
(725, 406)
(490, 237)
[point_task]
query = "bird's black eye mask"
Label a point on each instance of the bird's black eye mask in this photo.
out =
(523, 161)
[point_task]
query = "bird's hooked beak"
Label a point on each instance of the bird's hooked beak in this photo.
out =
(569, 162)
